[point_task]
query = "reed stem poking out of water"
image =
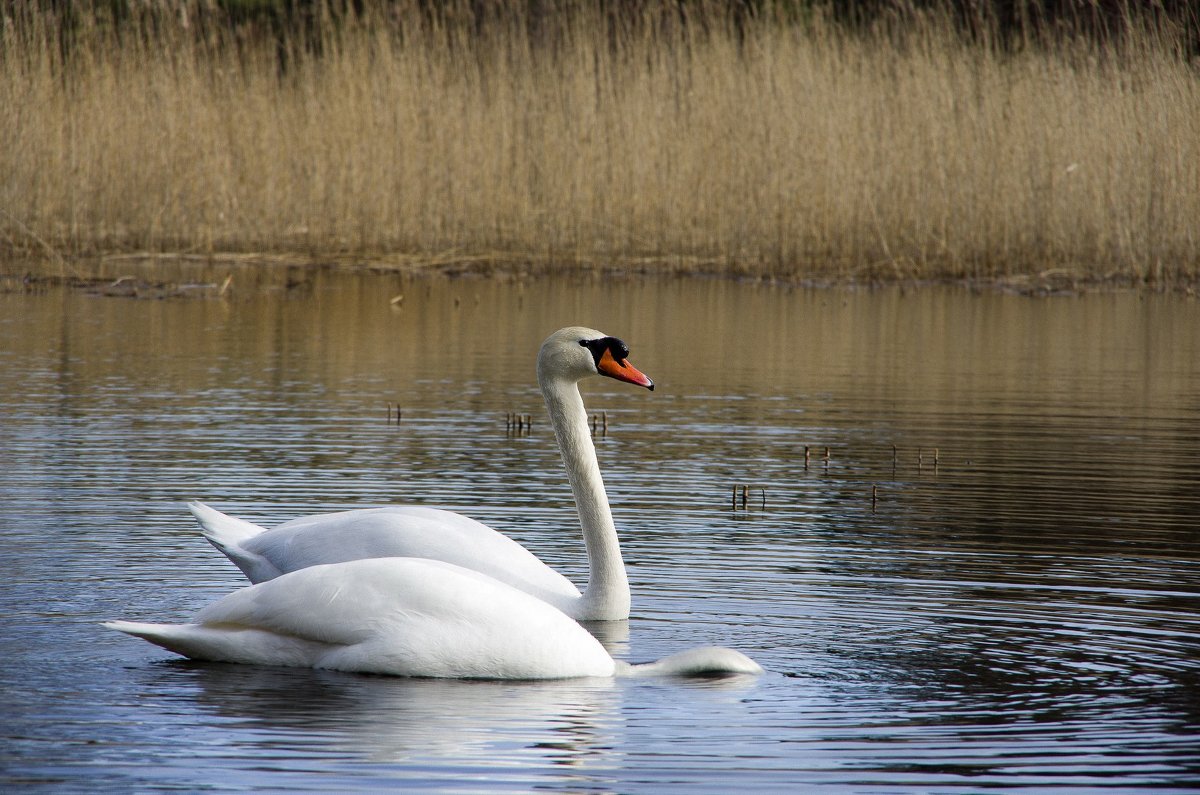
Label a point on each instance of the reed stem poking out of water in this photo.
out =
(779, 143)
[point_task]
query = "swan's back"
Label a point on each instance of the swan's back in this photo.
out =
(400, 616)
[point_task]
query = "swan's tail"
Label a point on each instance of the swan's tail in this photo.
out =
(229, 535)
(226, 643)
(703, 661)
(185, 639)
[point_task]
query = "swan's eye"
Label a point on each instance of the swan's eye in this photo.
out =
(597, 347)
(618, 349)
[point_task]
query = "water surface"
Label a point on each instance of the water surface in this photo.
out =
(992, 578)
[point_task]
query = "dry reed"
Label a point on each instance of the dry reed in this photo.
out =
(782, 148)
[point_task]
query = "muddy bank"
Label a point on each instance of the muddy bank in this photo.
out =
(183, 275)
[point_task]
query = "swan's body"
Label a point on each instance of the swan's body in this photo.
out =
(566, 357)
(421, 592)
(407, 617)
(400, 532)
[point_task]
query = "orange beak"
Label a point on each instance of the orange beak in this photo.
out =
(622, 371)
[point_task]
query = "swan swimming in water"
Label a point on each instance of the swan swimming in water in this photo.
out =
(566, 357)
(353, 603)
(408, 617)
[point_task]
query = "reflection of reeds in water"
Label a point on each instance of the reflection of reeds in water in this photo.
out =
(788, 148)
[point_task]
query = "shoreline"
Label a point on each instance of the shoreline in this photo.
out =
(180, 275)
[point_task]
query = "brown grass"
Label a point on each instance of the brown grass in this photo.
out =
(788, 149)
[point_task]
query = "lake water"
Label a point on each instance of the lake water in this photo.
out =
(992, 579)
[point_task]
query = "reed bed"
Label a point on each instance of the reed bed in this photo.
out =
(782, 147)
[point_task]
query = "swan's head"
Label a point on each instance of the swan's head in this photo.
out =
(576, 352)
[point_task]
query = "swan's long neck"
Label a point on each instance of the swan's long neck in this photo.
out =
(607, 595)
(703, 661)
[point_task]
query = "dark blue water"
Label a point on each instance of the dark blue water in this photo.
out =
(992, 581)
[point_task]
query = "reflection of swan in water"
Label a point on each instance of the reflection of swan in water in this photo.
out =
(408, 617)
(566, 357)
(525, 724)
(569, 726)
(613, 635)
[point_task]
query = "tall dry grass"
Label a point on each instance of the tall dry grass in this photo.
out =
(790, 148)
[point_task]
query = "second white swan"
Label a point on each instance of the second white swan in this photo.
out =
(566, 357)
(408, 617)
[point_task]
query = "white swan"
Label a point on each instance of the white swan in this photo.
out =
(408, 617)
(566, 357)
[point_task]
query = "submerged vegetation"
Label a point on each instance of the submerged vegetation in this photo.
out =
(777, 140)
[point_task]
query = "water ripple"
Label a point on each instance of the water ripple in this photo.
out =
(989, 581)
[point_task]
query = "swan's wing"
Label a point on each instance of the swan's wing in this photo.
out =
(413, 617)
(408, 532)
